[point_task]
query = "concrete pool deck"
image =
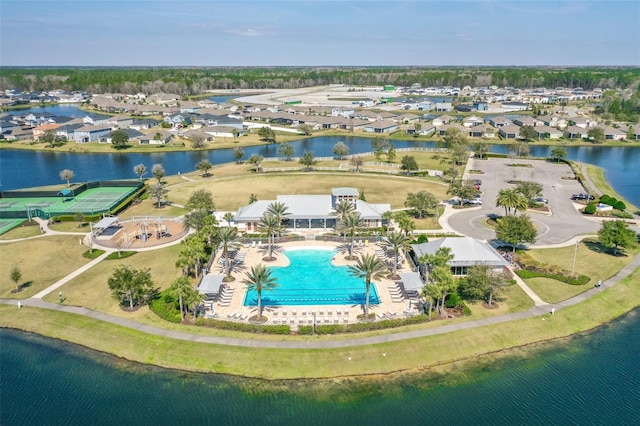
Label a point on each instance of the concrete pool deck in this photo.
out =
(325, 314)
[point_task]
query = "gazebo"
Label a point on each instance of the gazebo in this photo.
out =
(103, 224)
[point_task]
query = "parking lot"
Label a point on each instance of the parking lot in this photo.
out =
(559, 225)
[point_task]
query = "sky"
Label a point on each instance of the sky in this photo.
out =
(318, 32)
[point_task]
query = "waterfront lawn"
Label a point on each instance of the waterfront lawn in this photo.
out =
(232, 193)
(554, 291)
(599, 180)
(42, 261)
(596, 265)
(90, 288)
(148, 208)
(513, 299)
(383, 358)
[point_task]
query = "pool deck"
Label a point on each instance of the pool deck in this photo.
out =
(303, 314)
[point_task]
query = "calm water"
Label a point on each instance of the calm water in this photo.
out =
(310, 279)
(21, 169)
(589, 379)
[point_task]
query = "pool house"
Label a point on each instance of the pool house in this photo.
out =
(312, 212)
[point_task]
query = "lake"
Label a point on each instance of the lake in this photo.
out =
(21, 169)
(587, 379)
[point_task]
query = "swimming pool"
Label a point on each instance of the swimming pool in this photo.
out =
(311, 279)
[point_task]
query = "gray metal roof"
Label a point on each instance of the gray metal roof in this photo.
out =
(344, 191)
(211, 284)
(411, 281)
(467, 251)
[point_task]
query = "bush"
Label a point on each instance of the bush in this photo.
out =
(241, 326)
(621, 214)
(494, 155)
(363, 326)
(165, 307)
(605, 199)
(620, 206)
(581, 280)
(92, 255)
(590, 209)
(122, 255)
(453, 300)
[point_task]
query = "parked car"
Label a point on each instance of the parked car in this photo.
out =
(582, 197)
(542, 200)
(473, 201)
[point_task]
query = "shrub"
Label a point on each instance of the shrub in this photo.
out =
(590, 209)
(621, 214)
(241, 326)
(453, 300)
(123, 254)
(92, 255)
(165, 307)
(494, 155)
(363, 326)
(620, 206)
(605, 199)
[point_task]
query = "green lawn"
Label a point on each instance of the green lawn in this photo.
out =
(598, 178)
(43, 261)
(22, 231)
(554, 291)
(90, 288)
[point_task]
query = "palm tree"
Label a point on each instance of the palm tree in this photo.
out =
(192, 253)
(350, 224)
(342, 208)
(396, 241)
(228, 216)
(181, 286)
(441, 257)
(370, 267)
(511, 199)
(430, 293)
(227, 239)
(279, 210)
(260, 279)
(443, 280)
(270, 224)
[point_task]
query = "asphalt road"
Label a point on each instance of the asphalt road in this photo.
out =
(562, 224)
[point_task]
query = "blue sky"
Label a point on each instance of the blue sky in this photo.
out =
(319, 32)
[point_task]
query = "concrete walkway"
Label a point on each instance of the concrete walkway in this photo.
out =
(533, 312)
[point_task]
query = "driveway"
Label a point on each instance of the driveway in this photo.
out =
(562, 224)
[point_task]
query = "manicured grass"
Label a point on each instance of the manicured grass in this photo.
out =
(554, 291)
(80, 227)
(231, 193)
(90, 288)
(513, 299)
(595, 264)
(597, 177)
(309, 363)
(21, 231)
(43, 261)
(148, 208)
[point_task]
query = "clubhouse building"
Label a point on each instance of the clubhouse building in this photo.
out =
(312, 212)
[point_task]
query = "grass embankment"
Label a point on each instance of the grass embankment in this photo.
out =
(42, 261)
(591, 260)
(25, 230)
(322, 363)
(596, 174)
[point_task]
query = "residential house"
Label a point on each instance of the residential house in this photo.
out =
(168, 99)
(480, 106)
(514, 106)
(341, 112)
(442, 120)
(499, 121)
(121, 121)
(177, 121)
(525, 120)
(442, 130)
(96, 119)
(40, 130)
(134, 135)
(91, 133)
(68, 130)
(613, 134)
(509, 131)
(481, 131)
(584, 122)
(463, 108)
(554, 121)
(18, 133)
(381, 127)
(425, 105)
(144, 124)
(472, 120)
(443, 107)
(367, 103)
(223, 131)
(544, 132)
(159, 137)
(575, 132)
(408, 119)
(425, 129)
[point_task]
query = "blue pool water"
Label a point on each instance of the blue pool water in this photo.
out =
(311, 279)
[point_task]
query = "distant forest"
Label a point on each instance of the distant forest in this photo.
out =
(188, 81)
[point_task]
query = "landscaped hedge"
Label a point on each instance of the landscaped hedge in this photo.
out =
(613, 202)
(164, 307)
(495, 155)
(362, 326)
(581, 280)
(73, 218)
(241, 326)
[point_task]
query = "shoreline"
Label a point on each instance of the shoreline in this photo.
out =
(288, 364)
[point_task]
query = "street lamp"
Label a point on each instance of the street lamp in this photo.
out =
(314, 323)
(575, 255)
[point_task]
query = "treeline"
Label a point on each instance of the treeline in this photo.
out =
(191, 81)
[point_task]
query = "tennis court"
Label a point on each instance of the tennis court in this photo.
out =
(9, 224)
(87, 200)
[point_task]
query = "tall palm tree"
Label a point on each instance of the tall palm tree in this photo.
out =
(181, 287)
(259, 279)
(343, 208)
(443, 280)
(396, 241)
(430, 293)
(228, 216)
(227, 239)
(350, 225)
(511, 199)
(369, 267)
(192, 253)
(279, 210)
(270, 224)
(441, 257)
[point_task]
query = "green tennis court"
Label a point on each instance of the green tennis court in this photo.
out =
(85, 200)
(8, 224)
